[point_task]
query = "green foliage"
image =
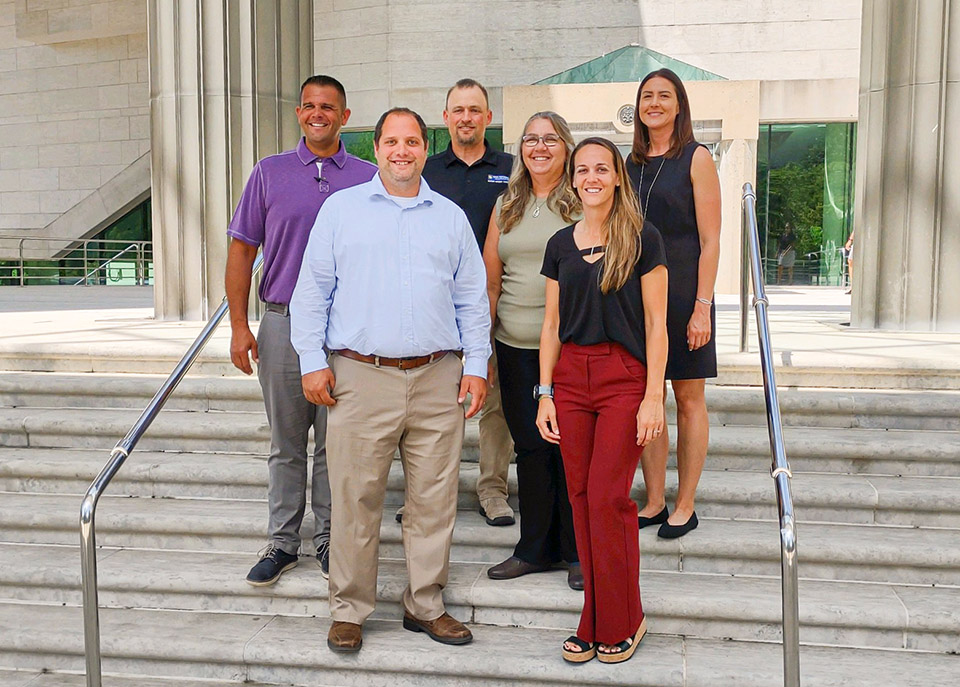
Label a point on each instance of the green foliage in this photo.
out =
(796, 197)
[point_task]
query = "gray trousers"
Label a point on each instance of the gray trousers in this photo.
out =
(290, 416)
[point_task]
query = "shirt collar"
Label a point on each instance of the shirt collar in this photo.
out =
(307, 156)
(423, 197)
(489, 155)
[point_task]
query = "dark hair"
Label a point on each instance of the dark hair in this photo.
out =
(682, 126)
(468, 83)
(378, 129)
(324, 80)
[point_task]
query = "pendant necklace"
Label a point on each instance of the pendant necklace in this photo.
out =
(649, 190)
(537, 206)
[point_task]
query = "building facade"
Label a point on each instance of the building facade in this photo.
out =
(79, 80)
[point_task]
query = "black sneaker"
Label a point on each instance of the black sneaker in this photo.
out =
(272, 564)
(323, 559)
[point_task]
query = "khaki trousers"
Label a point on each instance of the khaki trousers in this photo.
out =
(377, 411)
(496, 445)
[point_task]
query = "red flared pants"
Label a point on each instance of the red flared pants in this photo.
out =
(598, 390)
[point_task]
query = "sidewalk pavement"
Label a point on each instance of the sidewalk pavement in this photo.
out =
(813, 343)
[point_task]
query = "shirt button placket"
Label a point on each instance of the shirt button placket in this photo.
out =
(406, 291)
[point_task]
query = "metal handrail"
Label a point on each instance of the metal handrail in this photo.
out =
(77, 244)
(83, 279)
(88, 545)
(780, 469)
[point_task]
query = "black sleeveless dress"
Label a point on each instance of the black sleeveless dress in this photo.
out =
(672, 211)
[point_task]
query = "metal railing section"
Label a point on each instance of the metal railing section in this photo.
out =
(32, 260)
(780, 469)
(84, 278)
(119, 454)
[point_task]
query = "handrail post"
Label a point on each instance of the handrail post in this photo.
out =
(20, 251)
(85, 282)
(790, 594)
(88, 566)
(744, 279)
(780, 469)
(88, 508)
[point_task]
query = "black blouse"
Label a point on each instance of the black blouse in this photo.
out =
(588, 316)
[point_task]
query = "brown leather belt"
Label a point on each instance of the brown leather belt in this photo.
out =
(380, 361)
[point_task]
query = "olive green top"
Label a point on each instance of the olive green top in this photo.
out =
(522, 295)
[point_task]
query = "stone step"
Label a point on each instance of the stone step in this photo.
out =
(740, 405)
(750, 547)
(35, 678)
(819, 497)
(689, 604)
(290, 650)
(810, 449)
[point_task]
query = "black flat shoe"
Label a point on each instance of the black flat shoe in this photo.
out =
(668, 531)
(657, 519)
(575, 577)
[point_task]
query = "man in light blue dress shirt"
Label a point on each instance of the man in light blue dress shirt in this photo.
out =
(392, 285)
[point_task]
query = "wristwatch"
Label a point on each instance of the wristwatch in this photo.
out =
(541, 390)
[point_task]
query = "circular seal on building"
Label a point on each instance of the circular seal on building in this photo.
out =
(625, 115)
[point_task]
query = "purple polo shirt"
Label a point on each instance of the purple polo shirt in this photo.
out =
(279, 205)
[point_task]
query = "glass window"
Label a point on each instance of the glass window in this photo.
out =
(805, 175)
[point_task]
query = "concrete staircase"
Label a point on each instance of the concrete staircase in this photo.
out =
(877, 489)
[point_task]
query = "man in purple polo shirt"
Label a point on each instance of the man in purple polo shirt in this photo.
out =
(277, 210)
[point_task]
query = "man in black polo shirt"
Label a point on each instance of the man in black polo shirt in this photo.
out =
(472, 174)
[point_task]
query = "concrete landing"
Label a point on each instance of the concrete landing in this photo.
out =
(112, 329)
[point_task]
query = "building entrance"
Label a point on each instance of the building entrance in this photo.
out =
(805, 181)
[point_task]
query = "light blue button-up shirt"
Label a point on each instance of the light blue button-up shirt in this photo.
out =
(390, 276)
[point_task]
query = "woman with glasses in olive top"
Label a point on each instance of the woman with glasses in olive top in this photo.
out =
(538, 201)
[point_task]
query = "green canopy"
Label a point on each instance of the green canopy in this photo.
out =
(629, 63)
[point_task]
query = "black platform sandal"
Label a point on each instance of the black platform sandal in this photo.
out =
(625, 648)
(585, 650)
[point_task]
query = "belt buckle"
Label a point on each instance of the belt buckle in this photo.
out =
(404, 363)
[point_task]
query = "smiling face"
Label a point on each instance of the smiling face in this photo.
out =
(595, 176)
(321, 114)
(659, 106)
(542, 161)
(401, 152)
(467, 116)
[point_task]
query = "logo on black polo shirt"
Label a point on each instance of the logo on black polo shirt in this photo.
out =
(497, 178)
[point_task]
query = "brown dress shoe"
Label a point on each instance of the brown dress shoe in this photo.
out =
(446, 629)
(514, 567)
(345, 638)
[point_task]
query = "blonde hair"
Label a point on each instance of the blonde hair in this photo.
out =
(519, 194)
(622, 226)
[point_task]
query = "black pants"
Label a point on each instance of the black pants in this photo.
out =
(546, 521)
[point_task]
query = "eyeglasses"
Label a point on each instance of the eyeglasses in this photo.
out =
(531, 140)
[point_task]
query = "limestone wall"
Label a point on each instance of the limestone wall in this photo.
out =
(393, 52)
(758, 39)
(73, 110)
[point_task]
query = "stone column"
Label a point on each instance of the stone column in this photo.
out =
(907, 213)
(738, 163)
(224, 82)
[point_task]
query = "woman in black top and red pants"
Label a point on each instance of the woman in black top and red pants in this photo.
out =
(603, 349)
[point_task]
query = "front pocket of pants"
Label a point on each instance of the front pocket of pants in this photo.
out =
(632, 367)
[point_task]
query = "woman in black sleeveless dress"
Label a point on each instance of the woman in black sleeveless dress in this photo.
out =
(679, 192)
